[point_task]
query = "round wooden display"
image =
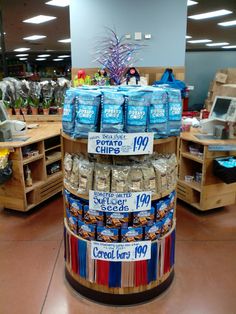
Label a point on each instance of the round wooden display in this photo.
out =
(84, 273)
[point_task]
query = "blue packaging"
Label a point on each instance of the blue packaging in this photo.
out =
(86, 231)
(158, 114)
(87, 109)
(107, 234)
(131, 234)
(93, 216)
(137, 104)
(161, 209)
(76, 208)
(112, 116)
(66, 197)
(167, 223)
(171, 198)
(72, 221)
(116, 220)
(174, 111)
(68, 117)
(143, 218)
(153, 232)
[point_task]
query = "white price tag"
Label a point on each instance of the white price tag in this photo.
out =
(118, 252)
(120, 202)
(120, 143)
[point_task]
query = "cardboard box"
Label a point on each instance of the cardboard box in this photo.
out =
(214, 86)
(227, 90)
(221, 77)
(231, 76)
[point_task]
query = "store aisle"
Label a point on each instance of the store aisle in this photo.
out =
(32, 266)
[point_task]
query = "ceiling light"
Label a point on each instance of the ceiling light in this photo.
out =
(21, 49)
(229, 47)
(40, 59)
(59, 3)
(229, 23)
(64, 56)
(199, 41)
(188, 37)
(39, 19)
(190, 2)
(22, 55)
(34, 37)
(58, 59)
(22, 59)
(67, 40)
(217, 44)
(43, 56)
(209, 14)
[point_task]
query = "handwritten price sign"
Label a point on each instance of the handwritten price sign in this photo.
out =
(120, 144)
(118, 252)
(120, 202)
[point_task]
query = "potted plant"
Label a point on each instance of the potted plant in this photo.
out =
(28, 106)
(45, 106)
(18, 105)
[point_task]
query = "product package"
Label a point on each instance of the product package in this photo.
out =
(85, 176)
(158, 114)
(107, 234)
(68, 117)
(120, 179)
(93, 216)
(86, 231)
(74, 177)
(87, 105)
(160, 167)
(149, 178)
(161, 209)
(137, 111)
(68, 163)
(66, 197)
(131, 234)
(143, 218)
(153, 232)
(115, 220)
(102, 178)
(135, 179)
(72, 221)
(167, 223)
(172, 171)
(76, 208)
(174, 111)
(171, 198)
(112, 115)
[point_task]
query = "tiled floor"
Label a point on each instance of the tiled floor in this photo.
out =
(32, 267)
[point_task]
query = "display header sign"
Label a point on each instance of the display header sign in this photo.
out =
(118, 252)
(120, 143)
(120, 202)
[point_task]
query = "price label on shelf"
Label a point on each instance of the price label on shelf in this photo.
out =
(120, 143)
(118, 252)
(120, 202)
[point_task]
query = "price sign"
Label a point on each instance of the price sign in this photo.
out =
(120, 143)
(120, 202)
(118, 252)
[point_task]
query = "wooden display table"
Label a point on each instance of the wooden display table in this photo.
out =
(45, 139)
(210, 192)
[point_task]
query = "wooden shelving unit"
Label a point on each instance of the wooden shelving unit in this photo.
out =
(211, 192)
(14, 194)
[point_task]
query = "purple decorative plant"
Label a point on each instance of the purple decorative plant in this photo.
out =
(116, 55)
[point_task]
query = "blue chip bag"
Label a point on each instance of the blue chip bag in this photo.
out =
(174, 111)
(87, 109)
(86, 231)
(68, 117)
(107, 234)
(112, 116)
(153, 232)
(137, 104)
(158, 114)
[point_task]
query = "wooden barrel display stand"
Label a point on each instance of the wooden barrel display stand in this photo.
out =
(94, 278)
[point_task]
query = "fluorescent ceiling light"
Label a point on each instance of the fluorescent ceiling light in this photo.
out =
(229, 23)
(34, 37)
(39, 19)
(43, 56)
(22, 55)
(22, 59)
(58, 59)
(67, 40)
(199, 41)
(188, 37)
(229, 47)
(64, 56)
(190, 2)
(217, 44)
(59, 3)
(209, 14)
(21, 49)
(40, 59)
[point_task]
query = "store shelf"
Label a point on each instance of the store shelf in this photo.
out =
(194, 185)
(34, 186)
(55, 156)
(55, 175)
(31, 159)
(192, 157)
(53, 147)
